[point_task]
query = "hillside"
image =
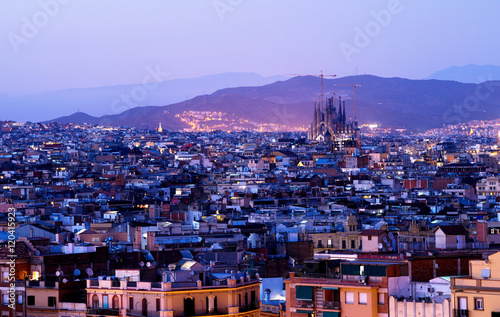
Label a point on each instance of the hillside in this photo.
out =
(396, 102)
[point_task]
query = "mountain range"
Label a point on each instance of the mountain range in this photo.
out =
(416, 105)
(109, 100)
(471, 73)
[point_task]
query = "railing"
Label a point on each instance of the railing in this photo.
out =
(103, 312)
(94, 282)
(115, 283)
(331, 305)
(138, 313)
(156, 285)
(460, 313)
(131, 284)
(304, 304)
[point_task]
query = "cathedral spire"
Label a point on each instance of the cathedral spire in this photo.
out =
(315, 122)
(340, 109)
(344, 119)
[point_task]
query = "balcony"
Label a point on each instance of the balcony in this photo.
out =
(304, 304)
(102, 312)
(138, 313)
(331, 305)
(460, 313)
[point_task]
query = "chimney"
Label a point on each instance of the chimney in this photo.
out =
(267, 295)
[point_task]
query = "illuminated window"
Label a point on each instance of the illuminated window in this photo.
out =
(478, 303)
(363, 298)
(35, 275)
(349, 298)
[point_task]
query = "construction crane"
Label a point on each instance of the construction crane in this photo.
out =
(354, 85)
(321, 75)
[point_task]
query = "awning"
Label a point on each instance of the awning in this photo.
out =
(304, 311)
(331, 288)
(331, 314)
(304, 293)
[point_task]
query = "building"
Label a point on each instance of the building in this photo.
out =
(331, 126)
(361, 290)
(478, 293)
(65, 298)
(181, 292)
(489, 186)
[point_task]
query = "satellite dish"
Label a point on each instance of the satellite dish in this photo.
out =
(390, 249)
(64, 280)
(385, 239)
(89, 271)
(391, 235)
(436, 266)
(141, 264)
(59, 273)
(76, 272)
(383, 249)
(380, 245)
(192, 273)
(148, 264)
(401, 256)
(37, 252)
(154, 263)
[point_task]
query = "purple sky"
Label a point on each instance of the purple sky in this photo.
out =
(56, 44)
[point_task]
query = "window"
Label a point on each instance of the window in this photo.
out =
(5, 299)
(369, 238)
(478, 303)
(349, 298)
(158, 304)
(95, 239)
(330, 243)
(381, 299)
(320, 243)
(19, 299)
(363, 298)
(104, 301)
(462, 303)
(353, 244)
(485, 273)
(131, 303)
(52, 301)
(31, 300)
(5, 276)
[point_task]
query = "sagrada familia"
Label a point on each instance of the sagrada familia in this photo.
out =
(332, 127)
